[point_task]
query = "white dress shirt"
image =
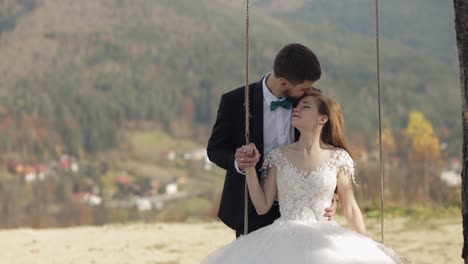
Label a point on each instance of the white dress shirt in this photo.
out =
(277, 129)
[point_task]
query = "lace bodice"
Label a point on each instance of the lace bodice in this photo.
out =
(304, 195)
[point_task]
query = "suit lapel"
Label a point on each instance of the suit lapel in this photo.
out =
(256, 108)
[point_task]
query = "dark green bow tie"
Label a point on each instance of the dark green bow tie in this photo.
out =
(283, 103)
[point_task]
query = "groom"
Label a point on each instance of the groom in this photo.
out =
(295, 70)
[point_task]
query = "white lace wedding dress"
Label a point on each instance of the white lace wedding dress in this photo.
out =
(302, 234)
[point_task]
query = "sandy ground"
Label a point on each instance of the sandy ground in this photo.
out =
(433, 241)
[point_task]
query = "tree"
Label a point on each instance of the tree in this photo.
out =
(419, 134)
(424, 155)
(461, 28)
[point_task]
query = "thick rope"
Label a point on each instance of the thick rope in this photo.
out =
(247, 113)
(380, 121)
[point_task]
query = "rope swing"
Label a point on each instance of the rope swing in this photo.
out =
(247, 111)
(377, 49)
(247, 114)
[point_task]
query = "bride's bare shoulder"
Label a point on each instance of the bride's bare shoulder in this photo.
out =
(330, 147)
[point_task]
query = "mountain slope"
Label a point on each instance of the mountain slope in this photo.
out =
(78, 71)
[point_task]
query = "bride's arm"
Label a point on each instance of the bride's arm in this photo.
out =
(262, 199)
(348, 202)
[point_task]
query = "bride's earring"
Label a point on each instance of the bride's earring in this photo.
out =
(318, 124)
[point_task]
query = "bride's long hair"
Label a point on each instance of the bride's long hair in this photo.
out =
(333, 129)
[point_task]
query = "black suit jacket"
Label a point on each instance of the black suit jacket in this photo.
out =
(228, 134)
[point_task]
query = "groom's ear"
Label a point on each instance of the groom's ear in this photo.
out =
(283, 82)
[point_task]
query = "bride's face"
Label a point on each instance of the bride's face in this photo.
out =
(306, 116)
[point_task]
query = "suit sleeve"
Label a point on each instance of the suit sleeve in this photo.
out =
(221, 145)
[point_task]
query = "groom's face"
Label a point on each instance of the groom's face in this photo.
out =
(294, 92)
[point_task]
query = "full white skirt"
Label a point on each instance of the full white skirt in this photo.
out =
(298, 242)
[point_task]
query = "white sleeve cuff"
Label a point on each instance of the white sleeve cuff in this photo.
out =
(237, 168)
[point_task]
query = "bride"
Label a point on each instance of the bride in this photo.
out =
(303, 177)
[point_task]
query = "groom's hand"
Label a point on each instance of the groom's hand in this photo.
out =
(244, 159)
(330, 211)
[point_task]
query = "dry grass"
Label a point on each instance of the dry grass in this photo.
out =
(434, 241)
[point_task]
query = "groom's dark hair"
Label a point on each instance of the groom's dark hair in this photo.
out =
(297, 63)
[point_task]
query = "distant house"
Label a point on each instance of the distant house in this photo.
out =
(74, 167)
(199, 155)
(29, 172)
(169, 155)
(451, 178)
(89, 198)
(123, 180)
(67, 162)
(171, 188)
(143, 204)
(64, 162)
(41, 171)
(196, 154)
(33, 173)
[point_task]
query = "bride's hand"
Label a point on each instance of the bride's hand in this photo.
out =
(251, 149)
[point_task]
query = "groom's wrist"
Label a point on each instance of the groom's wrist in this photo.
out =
(237, 168)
